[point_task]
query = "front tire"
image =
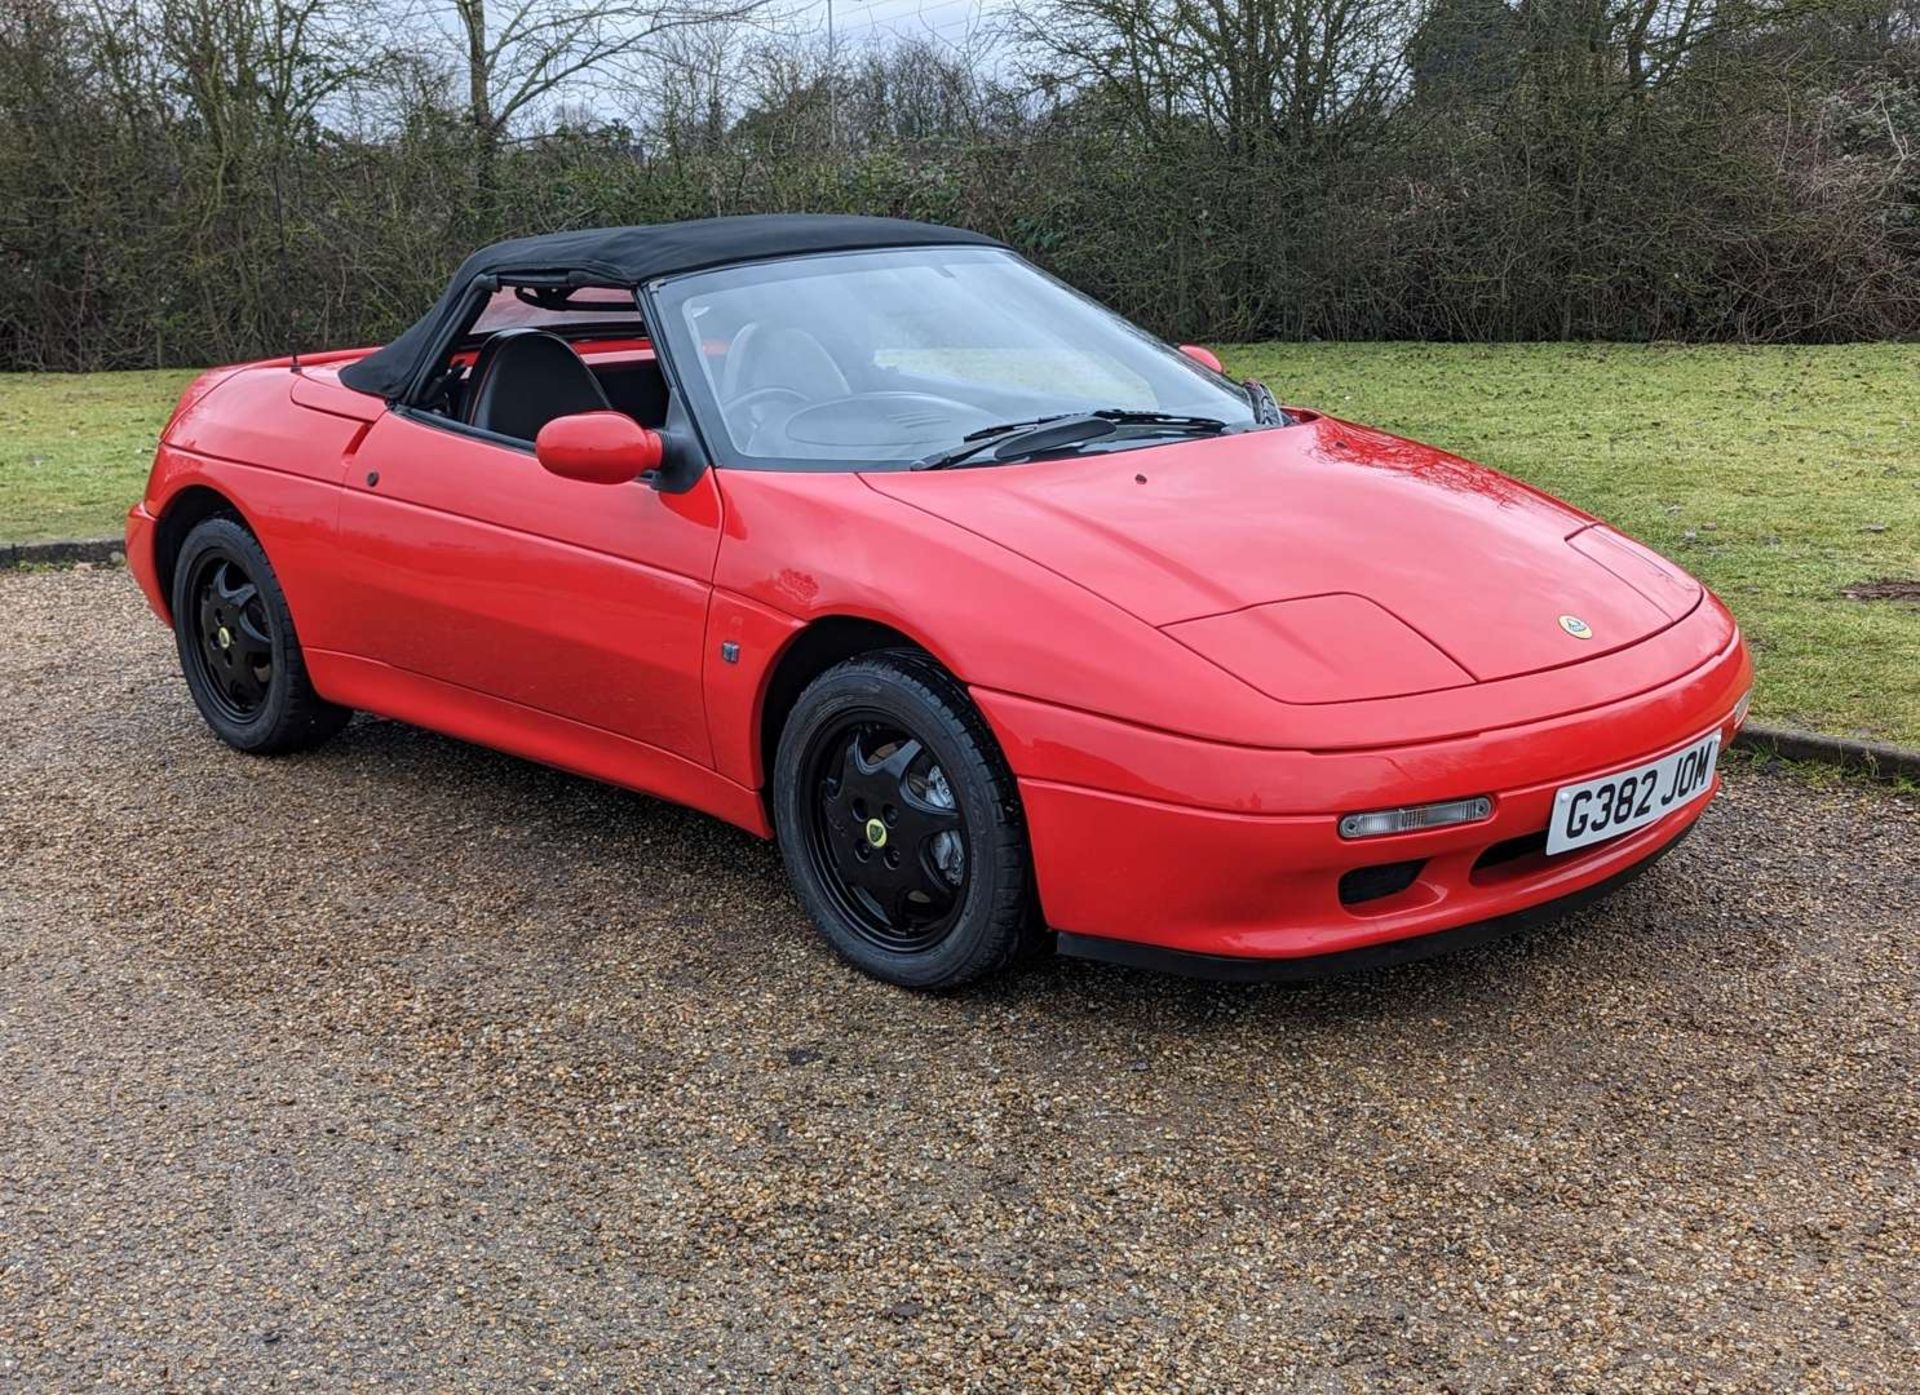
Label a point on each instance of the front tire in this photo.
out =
(900, 824)
(238, 650)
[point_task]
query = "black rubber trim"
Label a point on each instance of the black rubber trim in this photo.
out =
(1228, 968)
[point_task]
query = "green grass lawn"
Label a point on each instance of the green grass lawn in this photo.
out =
(75, 447)
(1780, 476)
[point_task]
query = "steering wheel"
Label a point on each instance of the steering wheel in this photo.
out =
(881, 425)
(755, 401)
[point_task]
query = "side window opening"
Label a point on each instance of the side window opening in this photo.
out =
(487, 383)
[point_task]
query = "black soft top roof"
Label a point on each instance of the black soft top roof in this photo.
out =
(630, 256)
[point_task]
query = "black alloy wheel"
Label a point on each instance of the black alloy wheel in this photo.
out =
(887, 838)
(900, 824)
(238, 650)
(235, 634)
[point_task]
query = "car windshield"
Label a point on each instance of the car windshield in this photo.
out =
(877, 360)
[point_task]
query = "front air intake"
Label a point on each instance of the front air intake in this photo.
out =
(1373, 883)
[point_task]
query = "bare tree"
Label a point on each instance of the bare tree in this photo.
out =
(1256, 71)
(694, 102)
(517, 53)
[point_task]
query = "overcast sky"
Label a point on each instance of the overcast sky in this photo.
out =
(949, 20)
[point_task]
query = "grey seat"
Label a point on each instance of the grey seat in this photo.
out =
(778, 356)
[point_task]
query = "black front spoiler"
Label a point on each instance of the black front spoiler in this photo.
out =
(1230, 968)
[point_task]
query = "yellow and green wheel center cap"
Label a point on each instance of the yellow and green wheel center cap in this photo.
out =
(226, 638)
(876, 833)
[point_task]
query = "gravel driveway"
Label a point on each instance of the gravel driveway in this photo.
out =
(406, 1065)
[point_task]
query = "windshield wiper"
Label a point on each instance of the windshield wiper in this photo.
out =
(1012, 440)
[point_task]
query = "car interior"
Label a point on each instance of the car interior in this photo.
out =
(880, 358)
(549, 354)
(518, 379)
(813, 395)
(816, 392)
(783, 393)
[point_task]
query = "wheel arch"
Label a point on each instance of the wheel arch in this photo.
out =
(185, 510)
(833, 639)
(812, 650)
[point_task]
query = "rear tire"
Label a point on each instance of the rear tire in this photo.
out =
(901, 826)
(238, 649)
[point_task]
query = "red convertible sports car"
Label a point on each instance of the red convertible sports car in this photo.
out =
(1014, 625)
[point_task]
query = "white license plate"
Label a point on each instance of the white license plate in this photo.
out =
(1629, 799)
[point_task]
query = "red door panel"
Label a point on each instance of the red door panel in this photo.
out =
(466, 561)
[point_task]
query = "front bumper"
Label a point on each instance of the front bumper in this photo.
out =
(1228, 968)
(1187, 848)
(140, 558)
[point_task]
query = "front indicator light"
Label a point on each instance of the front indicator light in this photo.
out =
(1740, 709)
(1415, 817)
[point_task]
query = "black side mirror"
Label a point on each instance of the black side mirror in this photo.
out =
(682, 459)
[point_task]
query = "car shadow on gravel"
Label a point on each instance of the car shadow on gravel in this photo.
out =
(399, 834)
(680, 858)
(1472, 979)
